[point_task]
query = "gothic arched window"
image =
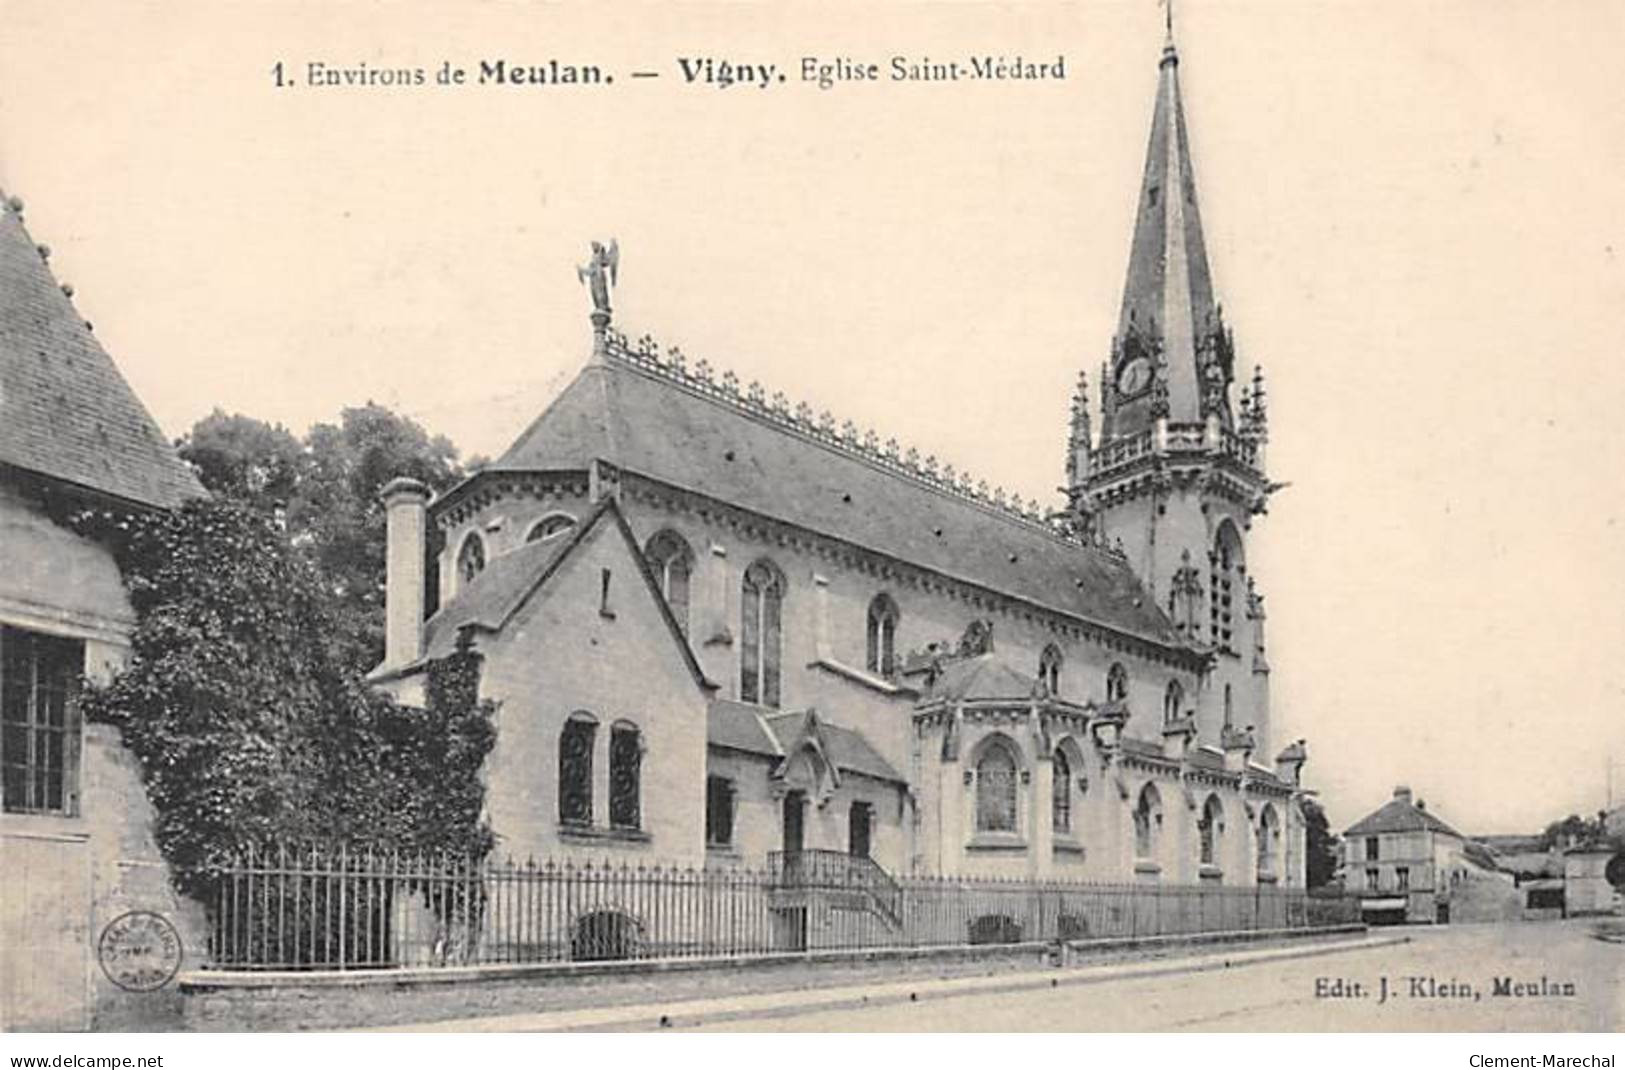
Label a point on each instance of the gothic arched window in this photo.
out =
(575, 769)
(1226, 564)
(1049, 669)
(1061, 794)
(625, 775)
(1210, 830)
(672, 562)
(761, 633)
(471, 558)
(549, 526)
(1117, 683)
(1229, 707)
(1269, 835)
(882, 633)
(1147, 822)
(1173, 702)
(996, 788)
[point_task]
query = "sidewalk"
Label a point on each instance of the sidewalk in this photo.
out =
(681, 1013)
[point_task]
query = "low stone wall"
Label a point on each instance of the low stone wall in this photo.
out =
(218, 1001)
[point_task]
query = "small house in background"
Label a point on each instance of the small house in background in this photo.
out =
(1562, 876)
(1407, 865)
(1586, 888)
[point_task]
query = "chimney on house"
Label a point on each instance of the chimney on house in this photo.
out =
(405, 508)
(1403, 794)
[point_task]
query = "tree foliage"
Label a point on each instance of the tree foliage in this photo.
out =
(248, 721)
(1322, 846)
(1575, 829)
(324, 490)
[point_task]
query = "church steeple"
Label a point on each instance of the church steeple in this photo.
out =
(1171, 357)
(1176, 479)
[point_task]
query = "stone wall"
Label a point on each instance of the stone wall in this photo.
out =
(66, 876)
(565, 652)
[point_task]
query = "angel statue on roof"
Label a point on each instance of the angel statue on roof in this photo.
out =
(599, 273)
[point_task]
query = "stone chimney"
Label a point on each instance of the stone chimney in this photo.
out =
(405, 507)
(1403, 794)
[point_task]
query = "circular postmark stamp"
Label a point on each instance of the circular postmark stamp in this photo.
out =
(140, 951)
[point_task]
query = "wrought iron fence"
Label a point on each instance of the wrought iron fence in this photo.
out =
(339, 908)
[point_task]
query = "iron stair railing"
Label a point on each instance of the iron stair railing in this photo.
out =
(838, 871)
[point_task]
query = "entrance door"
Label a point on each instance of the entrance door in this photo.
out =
(857, 835)
(795, 806)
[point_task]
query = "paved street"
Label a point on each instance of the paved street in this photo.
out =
(1456, 968)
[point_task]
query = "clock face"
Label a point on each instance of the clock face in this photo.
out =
(1134, 377)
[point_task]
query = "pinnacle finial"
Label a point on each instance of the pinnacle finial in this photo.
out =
(1168, 50)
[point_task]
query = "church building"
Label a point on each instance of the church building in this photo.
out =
(723, 629)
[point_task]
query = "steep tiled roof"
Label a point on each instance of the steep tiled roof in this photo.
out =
(742, 727)
(1479, 854)
(65, 410)
(664, 427)
(1398, 815)
(982, 678)
(739, 726)
(847, 750)
(490, 599)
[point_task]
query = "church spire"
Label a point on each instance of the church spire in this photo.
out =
(1171, 357)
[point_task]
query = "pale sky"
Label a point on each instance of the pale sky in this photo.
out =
(1415, 216)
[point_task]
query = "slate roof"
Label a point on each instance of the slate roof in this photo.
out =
(508, 581)
(982, 678)
(847, 750)
(491, 597)
(1398, 815)
(648, 423)
(743, 727)
(739, 726)
(65, 410)
(1167, 264)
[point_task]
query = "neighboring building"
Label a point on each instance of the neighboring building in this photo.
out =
(863, 652)
(72, 814)
(1409, 866)
(1586, 889)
